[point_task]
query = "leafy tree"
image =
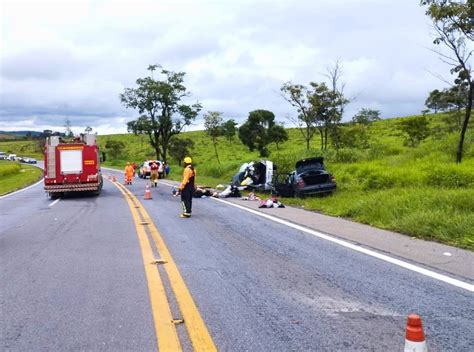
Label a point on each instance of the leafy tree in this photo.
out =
(346, 137)
(213, 126)
(318, 107)
(46, 133)
(278, 134)
(162, 113)
(453, 22)
(179, 148)
(114, 148)
(299, 97)
(416, 129)
(456, 97)
(255, 132)
(436, 101)
(366, 116)
(229, 129)
(332, 123)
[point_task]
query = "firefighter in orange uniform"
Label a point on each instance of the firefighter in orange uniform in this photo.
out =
(128, 174)
(154, 174)
(187, 187)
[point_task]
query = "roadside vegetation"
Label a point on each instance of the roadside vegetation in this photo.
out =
(384, 179)
(26, 148)
(14, 176)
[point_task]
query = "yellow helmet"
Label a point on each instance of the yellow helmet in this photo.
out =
(188, 160)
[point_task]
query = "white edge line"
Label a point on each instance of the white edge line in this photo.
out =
(354, 247)
(53, 203)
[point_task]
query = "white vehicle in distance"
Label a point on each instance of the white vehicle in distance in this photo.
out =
(12, 157)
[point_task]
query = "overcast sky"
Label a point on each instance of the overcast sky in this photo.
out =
(72, 59)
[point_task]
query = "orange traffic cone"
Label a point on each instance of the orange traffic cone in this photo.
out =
(147, 192)
(415, 337)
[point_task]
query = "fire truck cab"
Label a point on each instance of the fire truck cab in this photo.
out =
(72, 166)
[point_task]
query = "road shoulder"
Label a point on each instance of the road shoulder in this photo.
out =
(433, 255)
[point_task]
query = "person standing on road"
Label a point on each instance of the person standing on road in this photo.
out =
(134, 165)
(128, 174)
(187, 187)
(154, 174)
(161, 170)
(167, 169)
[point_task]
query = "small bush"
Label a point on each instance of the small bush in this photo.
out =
(215, 170)
(9, 168)
(351, 155)
(450, 176)
(380, 150)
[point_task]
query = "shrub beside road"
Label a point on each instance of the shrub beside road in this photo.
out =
(15, 175)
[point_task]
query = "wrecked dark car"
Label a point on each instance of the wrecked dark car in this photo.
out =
(310, 177)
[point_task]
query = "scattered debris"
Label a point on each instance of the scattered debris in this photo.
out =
(159, 261)
(271, 203)
(251, 196)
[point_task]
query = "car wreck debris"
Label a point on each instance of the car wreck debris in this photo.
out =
(310, 177)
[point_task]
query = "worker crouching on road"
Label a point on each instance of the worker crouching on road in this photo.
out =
(128, 174)
(187, 187)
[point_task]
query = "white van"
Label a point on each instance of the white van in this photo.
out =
(3, 156)
(12, 157)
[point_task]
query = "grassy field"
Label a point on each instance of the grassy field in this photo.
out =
(14, 176)
(30, 149)
(418, 191)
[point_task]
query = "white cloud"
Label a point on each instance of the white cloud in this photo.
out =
(72, 59)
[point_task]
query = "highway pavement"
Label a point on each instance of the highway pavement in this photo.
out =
(76, 275)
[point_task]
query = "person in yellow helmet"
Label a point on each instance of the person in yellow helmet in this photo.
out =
(187, 187)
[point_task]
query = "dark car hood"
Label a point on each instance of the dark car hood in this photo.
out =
(310, 163)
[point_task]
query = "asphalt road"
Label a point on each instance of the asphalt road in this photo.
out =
(72, 278)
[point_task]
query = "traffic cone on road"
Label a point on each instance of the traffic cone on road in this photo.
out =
(415, 337)
(147, 192)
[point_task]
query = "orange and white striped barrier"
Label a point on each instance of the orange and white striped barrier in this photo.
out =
(147, 192)
(414, 337)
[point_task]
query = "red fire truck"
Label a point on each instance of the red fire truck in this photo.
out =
(72, 166)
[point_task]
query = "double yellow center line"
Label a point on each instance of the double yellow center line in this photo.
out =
(165, 325)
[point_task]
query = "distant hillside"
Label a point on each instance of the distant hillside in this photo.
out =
(20, 133)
